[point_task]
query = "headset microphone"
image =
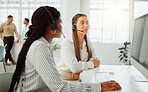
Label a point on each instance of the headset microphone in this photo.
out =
(80, 30)
(61, 32)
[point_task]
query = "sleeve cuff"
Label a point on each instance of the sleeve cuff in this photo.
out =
(18, 37)
(96, 87)
(91, 64)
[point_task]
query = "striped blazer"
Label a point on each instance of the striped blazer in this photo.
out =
(41, 75)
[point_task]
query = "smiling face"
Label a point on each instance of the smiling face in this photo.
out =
(82, 24)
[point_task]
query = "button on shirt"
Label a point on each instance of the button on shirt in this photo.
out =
(68, 58)
(41, 75)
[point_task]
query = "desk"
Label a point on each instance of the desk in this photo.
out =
(122, 75)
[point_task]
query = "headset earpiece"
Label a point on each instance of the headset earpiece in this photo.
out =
(54, 26)
(74, 27)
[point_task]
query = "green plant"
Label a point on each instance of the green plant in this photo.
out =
(124, 52)
(55, 45)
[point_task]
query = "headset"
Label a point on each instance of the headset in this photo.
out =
(74, 28)
(54, 25)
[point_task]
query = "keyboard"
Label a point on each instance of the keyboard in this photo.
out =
(102, 77)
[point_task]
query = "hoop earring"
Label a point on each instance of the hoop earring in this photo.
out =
(53, 31)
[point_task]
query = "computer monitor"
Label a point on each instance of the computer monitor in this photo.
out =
(140, 45)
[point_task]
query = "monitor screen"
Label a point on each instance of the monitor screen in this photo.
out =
(143, 59)
(137, 37)
(140, 45)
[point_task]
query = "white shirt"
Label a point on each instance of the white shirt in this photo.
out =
(1, 42)
(41, 74)
(68, 58)
(24, 31)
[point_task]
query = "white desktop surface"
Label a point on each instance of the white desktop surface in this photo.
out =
(121, 74)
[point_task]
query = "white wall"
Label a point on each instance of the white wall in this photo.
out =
(68, 9)
(107, 53)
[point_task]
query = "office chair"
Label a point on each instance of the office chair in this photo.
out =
(2, 57)
(5, 80)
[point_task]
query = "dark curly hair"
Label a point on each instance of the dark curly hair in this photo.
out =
(40, 21)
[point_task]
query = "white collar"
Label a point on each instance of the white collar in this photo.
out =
(45, 41)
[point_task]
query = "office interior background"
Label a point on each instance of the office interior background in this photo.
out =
(111, 22)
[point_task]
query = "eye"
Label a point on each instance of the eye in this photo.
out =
(82, 22)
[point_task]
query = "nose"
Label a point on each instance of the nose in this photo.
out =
(86, 25)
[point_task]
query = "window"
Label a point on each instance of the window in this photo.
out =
(109, 21)
(21, 9)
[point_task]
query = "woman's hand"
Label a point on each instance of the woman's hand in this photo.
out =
(96, 62)
(75, 75)
(110, 86)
